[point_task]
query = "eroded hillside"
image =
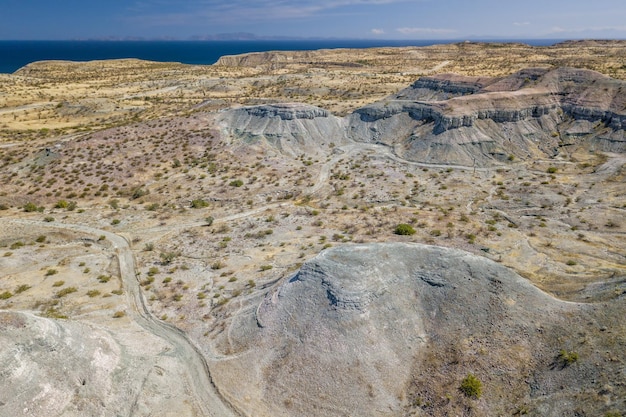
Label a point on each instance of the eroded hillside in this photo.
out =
(252, 242)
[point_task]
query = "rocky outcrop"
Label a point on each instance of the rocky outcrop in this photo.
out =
(57, 367)
(292, 129)
(520, 115)
(367, 329)
(454, 119)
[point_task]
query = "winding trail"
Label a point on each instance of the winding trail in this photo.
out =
(208, 398)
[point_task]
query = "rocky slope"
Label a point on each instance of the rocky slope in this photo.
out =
(389, 329)
(68, 368)
(534, 112)
(457, 120)
(292, 129)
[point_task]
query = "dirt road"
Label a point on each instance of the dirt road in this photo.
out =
(208, 398)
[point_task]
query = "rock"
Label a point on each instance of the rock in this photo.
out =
(292, 129)
(361, 328)
(68, 368)
(516, 115)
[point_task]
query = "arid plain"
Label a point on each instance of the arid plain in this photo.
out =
(165, 230)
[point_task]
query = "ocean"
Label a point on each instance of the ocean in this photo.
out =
(16, 54)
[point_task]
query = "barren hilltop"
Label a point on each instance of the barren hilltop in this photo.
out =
(385, 232)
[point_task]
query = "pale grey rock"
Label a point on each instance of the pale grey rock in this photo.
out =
(519, 115)
(362, 329)
(292, 129)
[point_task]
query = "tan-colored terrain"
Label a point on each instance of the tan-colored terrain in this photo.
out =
(140, 198)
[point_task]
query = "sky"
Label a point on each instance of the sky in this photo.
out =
(365, 19)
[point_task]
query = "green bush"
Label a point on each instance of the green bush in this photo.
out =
(30, 207)
(567, 358)
(65, 291)
(199, 203)
(552, 170)
(22, 288)
(138, 193)
(5, 295)
(236, 183)
(471, 386)
(404, 229)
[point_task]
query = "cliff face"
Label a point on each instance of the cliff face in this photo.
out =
(453, 119)
(528, 113)
(292, 129)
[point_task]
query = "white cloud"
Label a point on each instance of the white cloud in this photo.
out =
(521, 23)
(558, 29)
(241, 10)
(378, 31)
(432, 31)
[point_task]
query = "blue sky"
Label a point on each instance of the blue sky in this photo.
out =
(384, 19)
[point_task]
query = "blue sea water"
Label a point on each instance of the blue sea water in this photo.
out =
(16, 54)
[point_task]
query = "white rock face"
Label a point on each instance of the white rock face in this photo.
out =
(292, 129)
(71, 369)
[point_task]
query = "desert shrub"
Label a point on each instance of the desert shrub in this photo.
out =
(22, 288)
(48, 219)
(138, 193)
(567, 358)
(148, 247)
(168, 257)
(104, 279)
(471, 386)
(16, 245)
(404, 229)
(115, 221)
(552, 170)
(58, 283)
(93, 293)
(5, 295)
(218, 265)
(51, 271)
(209, 220)
(65, 291)
(266, 267)
(118, 314)
(199, 203)
(30, 207)
(236, 183)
